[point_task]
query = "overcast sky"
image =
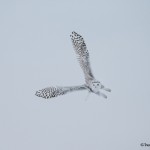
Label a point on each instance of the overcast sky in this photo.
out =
(36, 52)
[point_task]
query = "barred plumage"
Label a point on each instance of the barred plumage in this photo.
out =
(92, 85)
(82, 55)
(50, 92)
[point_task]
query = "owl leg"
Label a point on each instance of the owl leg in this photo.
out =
(106, 89)
(101, 94)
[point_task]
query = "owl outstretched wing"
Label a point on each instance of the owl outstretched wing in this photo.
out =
(82, 55)
(56, 91)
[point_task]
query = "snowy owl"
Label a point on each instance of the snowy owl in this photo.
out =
(91, 84)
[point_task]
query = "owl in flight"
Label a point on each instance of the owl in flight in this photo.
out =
(91, 84)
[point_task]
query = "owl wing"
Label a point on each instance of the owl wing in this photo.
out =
(82, 55)
(56, 91)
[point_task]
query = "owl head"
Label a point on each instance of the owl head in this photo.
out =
(96, 86)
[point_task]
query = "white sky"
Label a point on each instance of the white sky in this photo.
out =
(36, 52)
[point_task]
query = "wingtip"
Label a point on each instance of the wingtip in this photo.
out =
(38, 93)
(73, 32)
